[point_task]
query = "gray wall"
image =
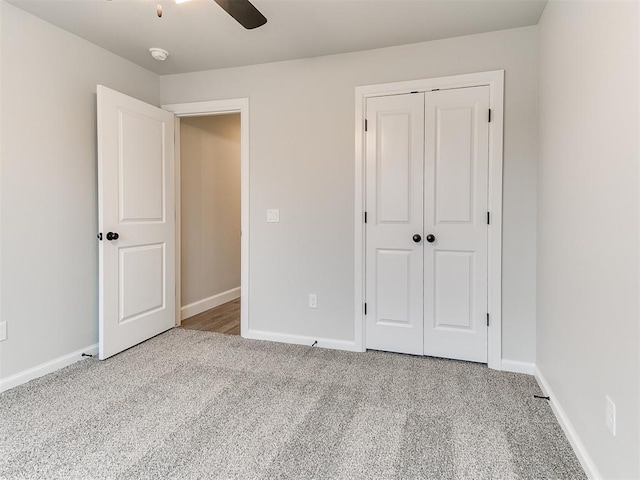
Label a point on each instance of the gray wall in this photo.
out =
(210, 205)
(49, 192)
(302, 162)
(587, 329)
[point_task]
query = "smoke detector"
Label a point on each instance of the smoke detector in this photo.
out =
(159, 53)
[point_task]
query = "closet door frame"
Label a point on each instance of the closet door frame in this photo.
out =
(495, 81)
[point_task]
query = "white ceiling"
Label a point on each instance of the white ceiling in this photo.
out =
(199, 35)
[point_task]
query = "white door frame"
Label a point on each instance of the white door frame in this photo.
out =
(219, 107)
(495, 81)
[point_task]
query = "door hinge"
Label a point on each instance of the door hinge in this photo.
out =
(488, 218)
(365, 217)
(99, 236)
(489, 115)
(365, 308)
(366, 125)
(487, 319)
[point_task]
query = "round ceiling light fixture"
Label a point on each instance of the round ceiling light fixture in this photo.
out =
(159, 53)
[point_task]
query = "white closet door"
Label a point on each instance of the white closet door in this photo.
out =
(394, 172)
(455, 263)
(136, 220)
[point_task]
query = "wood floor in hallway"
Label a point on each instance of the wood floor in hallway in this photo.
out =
(222, 319)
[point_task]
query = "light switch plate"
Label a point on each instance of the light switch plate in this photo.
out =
(273, 215)
(3, 331)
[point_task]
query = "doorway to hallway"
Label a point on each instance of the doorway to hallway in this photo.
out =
(210, 222)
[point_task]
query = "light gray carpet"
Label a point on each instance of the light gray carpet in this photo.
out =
(190, 404)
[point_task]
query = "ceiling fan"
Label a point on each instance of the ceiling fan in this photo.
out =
(243, 12)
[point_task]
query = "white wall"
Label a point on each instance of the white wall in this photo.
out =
(48, 189)
(302, 162)
(210, 205)
(587, 329)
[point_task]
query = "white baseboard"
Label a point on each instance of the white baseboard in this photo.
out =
(301, 340)
(211, 302)
(578, 447)
(518, 367)
(45, 368)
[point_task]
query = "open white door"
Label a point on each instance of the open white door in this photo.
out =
(136, 202)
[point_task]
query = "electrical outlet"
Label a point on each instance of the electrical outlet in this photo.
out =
(313, 300)
(273, 215)
(610, 415)
(3, 331)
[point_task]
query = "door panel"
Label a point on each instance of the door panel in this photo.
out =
(453, 289)
(141, 281)
(141, 168)
(453, 175)
(393, 167)
(393, 277)
(456, 182)
(136, 201)
(394, 170)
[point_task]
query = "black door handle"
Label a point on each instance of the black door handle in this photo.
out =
(112, 236)
(417, 238)
(431, 238)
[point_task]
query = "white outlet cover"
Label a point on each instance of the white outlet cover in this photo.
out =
(273, 215)
(610, 415)
(313, 300)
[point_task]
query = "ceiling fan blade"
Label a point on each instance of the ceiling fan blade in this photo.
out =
(244, 12)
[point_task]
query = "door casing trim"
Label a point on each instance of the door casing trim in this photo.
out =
(219, 107)
(495, 81)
